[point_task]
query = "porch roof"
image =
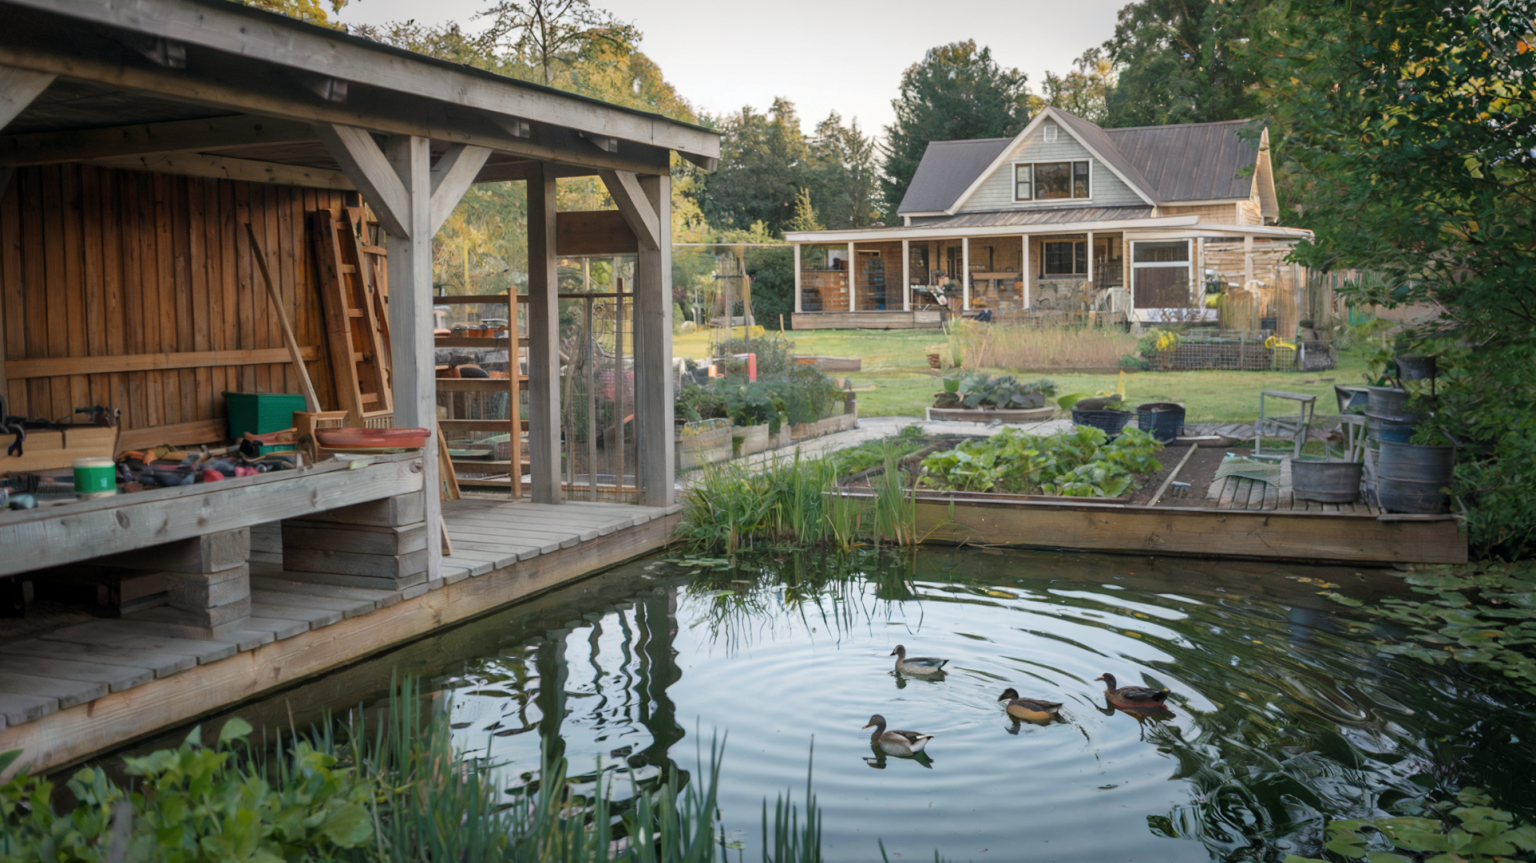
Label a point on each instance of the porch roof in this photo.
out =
(1059, 216)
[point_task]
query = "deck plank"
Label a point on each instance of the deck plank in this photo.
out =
(161, 663)
(1229, 488)
(122, 633)
(348, 606)
(115, 677)
(280, 629)
(379, 598)
(315, 617)
(17, 709)
(68, 693)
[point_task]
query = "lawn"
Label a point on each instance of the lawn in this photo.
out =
(895, 362)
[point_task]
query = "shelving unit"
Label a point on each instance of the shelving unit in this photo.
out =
(489, 473)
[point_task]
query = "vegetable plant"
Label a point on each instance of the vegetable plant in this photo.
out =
(975, 390)
(1080, 463)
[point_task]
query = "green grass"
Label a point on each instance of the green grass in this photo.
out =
(895, 362)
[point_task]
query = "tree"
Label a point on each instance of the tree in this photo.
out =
(312, 11)
(805, 214)
(552, 34)
(762, 168)
(1411, 129)
(957, 92)
(1184, 62)
(843, 175)
(1082, 91)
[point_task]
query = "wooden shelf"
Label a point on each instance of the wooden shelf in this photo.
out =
(478, 385)
(477, 342)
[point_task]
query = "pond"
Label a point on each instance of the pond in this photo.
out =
(1281, 711)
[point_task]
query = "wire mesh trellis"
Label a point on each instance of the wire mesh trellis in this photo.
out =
(599, 443)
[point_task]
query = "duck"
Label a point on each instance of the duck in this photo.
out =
(918, 665)
(1032, 709)
(895, 742)
(1131, 696)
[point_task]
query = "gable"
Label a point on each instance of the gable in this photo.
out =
(996, 191)
(947, 169)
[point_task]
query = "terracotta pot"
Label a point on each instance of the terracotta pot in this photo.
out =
(352, 438)
(934, 362)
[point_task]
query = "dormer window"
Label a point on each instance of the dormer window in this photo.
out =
(1048, 132)
(1051, 181)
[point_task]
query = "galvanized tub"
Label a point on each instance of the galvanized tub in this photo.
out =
(1326, 480)
(1409, 477)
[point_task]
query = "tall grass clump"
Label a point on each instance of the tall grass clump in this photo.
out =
(396, 793)
(999, 346)
(797, 501)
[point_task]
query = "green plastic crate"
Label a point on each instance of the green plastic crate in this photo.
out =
(260, 413)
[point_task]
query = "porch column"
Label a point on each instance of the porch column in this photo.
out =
(18, 88)
(1247, 260)
(653, 350)
(797, 278)
(906, 275)
(1200, 266)
(1024, 269)
(1090, 260)
(853, 280)
(965, 274)
(543, 339)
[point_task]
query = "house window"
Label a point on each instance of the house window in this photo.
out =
(1048, 132)
(1066, 258)
(1160, 275)
(1051, 181)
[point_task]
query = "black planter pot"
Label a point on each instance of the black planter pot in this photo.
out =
(1412, 368)
(1111, 423)
(1162, 420)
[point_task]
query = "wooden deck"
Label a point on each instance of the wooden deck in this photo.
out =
(69, 693)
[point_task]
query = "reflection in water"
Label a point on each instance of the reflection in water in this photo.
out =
(1282, 712)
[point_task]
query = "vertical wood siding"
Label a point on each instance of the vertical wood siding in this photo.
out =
(996, 191)
(102, 262)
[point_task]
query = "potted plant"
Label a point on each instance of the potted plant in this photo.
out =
(979, 397)
(1107, 412)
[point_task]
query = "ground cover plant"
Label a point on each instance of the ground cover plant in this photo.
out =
(1081, 463)
(979, 390)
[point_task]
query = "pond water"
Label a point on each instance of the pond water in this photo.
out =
(1282, 711)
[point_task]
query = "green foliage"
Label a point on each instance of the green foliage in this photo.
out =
(847, 462)
(1084, 91)
(1481, 614)
(805, 214)
(750, 403)
(1186, 62)
(1468, 830)
(974, 390)
(773, 284)
(696, 403)
(1075, 464)
(1410, 131)
(956, 92)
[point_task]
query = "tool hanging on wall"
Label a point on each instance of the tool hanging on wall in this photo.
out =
(359, 358)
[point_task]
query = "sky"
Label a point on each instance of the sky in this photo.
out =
(823, 55)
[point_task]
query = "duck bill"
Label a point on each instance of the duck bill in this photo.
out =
(1099, 678)
(866, 728)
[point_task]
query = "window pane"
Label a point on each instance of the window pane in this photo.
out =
(1053, 181)
(1064, 258)
(1080, 259)
(1080, 179)
(1177, 250)
(1022, 187)
(1161, 287)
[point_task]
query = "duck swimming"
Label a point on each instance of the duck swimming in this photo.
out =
(918, 665)
(1032, 709)
(895, 742)
(1131, 696)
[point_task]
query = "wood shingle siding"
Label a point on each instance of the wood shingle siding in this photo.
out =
(996, 191)
(103, 263)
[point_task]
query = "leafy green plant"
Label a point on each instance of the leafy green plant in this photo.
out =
(1074, 464)
(979, 390)
(755, 403)
(1468, 830)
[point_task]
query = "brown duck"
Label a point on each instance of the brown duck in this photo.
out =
(1132, 696)
(896, 742)
(1032, 709)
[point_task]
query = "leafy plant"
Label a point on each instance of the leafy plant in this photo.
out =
(1468, 830)
(1156, 341)
(754, 403)
(978, 390)
(1074, 464)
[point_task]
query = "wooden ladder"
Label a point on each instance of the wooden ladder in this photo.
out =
(356, 319)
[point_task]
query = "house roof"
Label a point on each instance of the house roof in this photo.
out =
(1053, 216)
(1188, 162)
(946, 171)
(1192, 161)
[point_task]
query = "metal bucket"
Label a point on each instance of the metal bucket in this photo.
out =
(1411, 368)
(1389, 403)
(1410, 477)
(1390, 429)
(1163, 420)
(1326, 480)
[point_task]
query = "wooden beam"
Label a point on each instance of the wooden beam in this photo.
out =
(543, 341)
(593, 233)
(267, 38)
(625, 189)
(451, 178)
(58, 367)
(18, 87)
(223, 168)
(501, 172)
(798, 310)
(653, 350)
(180, 434)
(412, 355)
(370, 172)
(201, 136)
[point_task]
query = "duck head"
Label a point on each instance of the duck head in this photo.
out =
(1109, 681)
(876, 722)
(1008, 694)
(899, 651)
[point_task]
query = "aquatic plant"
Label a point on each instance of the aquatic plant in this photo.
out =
(1468, 830)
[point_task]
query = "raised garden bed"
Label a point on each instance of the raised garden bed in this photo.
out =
(986, 415)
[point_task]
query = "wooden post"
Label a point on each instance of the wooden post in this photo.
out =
(906, 275)
(1090, 260)
(653, 351)
(413, 366)
(1024, 268)
(797, 278)
(1247, 260)
(1200, 264)
(543, 339)
(853, 280)
(965, 274)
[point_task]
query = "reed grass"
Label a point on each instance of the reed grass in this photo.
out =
(996, 346)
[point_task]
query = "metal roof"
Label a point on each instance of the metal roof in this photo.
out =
(1190, 162)
(1055, 216)
(1096, 140)
(947, 169)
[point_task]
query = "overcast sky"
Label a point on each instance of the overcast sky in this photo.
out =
(823, 55)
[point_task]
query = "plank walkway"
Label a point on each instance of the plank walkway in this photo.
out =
(1235, 492)
(75, 664)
